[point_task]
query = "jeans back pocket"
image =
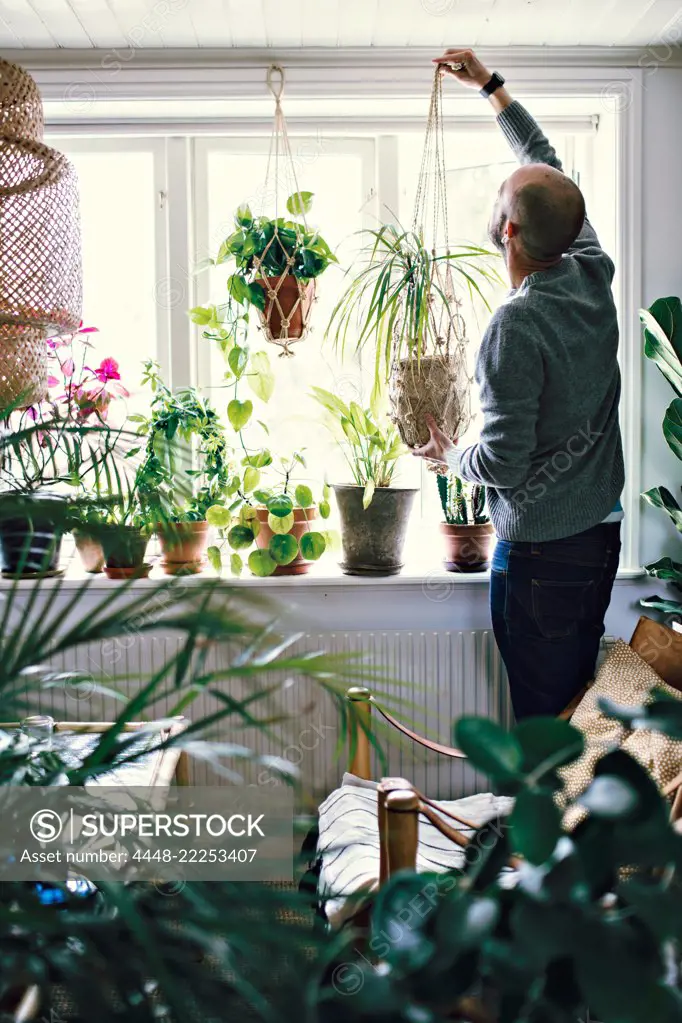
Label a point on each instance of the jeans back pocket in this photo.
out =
(560, 606)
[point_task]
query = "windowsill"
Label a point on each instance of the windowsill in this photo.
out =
(322, 574)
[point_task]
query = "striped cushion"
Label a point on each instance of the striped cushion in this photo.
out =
(348, 845)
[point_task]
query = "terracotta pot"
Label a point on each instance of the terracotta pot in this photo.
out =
(373, 538)
(136, 572)
(467, 548)
(296, 312)
(302, 518)
(183, 547)
(90, 550)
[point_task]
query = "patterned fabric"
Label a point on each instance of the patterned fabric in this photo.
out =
(626, 679)
(348, 845)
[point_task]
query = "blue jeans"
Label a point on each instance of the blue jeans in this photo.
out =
(548, 602)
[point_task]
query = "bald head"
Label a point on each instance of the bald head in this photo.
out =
(545, 208)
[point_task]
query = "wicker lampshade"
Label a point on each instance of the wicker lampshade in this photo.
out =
(41, 287)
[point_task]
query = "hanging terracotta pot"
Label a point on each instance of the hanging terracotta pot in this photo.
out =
(288, 302)
(302, 519)
(183, 547)
(467, 548)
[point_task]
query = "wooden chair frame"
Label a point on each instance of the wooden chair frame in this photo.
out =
(399, 803)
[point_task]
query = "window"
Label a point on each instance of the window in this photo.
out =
(153, 205)
(123, 239)
(340, 173)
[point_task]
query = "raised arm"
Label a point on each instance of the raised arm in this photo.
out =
(521, 130)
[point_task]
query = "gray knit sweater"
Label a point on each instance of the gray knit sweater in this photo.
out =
(550, 449)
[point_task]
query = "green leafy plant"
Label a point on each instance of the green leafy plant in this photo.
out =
(258, 477)
(395, 300)
(591, 927)
(271, 486)
(262, 247)
(463, 503)
(662, 324)
(369, 441)
(142, 952)
(181, 424)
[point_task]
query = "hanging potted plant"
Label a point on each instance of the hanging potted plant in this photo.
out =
(277, 262)
(374, 514)
(467, 531)
(277, 259)
(181, 490)
(402, 301)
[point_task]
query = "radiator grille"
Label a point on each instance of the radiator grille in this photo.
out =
(444, 675)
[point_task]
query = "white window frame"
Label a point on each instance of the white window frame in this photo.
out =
(617, 87)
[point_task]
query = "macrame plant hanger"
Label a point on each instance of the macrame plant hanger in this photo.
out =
(288, 299)
(40, 247)
(434, 379)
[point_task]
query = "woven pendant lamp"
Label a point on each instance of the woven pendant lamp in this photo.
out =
(41, 284)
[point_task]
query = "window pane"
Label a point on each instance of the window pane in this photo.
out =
(118, 207)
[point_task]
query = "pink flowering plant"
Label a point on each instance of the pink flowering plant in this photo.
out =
(68, 437)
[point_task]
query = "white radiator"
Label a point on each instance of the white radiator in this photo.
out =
(443, 676)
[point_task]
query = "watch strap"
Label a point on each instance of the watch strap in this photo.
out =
(496, 82)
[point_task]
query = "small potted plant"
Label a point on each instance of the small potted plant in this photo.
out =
(182, 494)
(125, 538)
(467, 530)
(277, 262)
(273, 528)
(374, 514)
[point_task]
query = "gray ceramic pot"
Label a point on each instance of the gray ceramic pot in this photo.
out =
(373, 538)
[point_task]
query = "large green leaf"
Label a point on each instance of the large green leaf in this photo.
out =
(240, 537)
(313, 545)
(260, 377)
(489, 747)
(535, 825)
(281, 505)
(666, 568)
(660, 497)
(663, 338)
(239, 413)
(548, 742)
(261, 563)
(672, 427)
(672, 607)
(299, 203)
(283, 548)
(304, 496)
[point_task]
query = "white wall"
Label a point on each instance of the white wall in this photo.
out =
(662, 275)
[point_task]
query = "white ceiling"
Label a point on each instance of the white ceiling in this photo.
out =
(109, 24)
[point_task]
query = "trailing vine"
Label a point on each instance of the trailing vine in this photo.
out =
(177, 421)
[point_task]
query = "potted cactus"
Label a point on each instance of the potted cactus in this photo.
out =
(467, 530)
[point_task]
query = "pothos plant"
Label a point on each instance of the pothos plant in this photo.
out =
(258, 478)
(662, 324)
(181, 423)
(264, 247)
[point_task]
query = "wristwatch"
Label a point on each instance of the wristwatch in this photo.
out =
(496, 82)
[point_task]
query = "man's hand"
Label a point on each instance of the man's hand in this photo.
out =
(437, 446)
(472, 72)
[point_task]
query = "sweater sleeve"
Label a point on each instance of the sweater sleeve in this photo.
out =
(530, 145)
(510, 374)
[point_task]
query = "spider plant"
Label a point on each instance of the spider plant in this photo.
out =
(400, 296)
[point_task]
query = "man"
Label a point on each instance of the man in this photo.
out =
(550, 449)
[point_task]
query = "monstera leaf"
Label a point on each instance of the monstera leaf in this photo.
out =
(662, 324)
